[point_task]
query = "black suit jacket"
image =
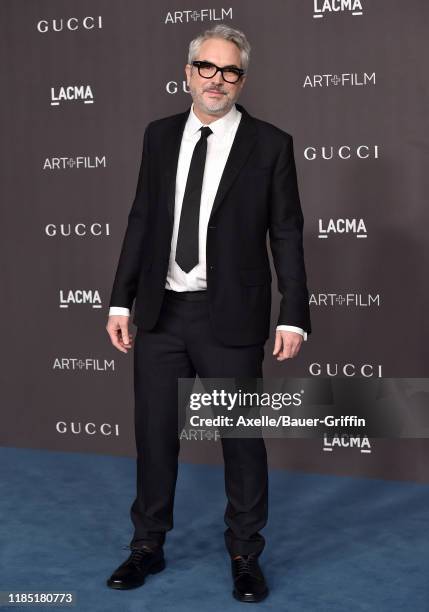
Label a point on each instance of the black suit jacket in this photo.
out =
(258, 192)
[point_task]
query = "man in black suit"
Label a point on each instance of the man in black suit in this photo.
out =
(212, 182)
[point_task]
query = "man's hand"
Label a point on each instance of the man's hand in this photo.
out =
(117, 328)
(287, 344)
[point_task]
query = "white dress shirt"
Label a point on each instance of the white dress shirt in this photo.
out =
(218, 147)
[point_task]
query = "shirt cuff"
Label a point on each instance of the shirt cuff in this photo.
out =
(119, 310)
(298, 330)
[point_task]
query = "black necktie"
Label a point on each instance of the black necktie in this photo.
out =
(187, 239)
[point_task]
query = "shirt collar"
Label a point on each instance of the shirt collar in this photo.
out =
(219, 126)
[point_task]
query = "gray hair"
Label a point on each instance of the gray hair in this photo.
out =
(227, 33)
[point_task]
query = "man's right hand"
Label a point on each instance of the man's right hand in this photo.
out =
(117, 328)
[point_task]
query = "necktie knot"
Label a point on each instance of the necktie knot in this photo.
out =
(205, 131)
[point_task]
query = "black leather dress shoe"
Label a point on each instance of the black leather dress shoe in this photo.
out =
(132, 572)
(249, 581)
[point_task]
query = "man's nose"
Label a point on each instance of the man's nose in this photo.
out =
(217, 79)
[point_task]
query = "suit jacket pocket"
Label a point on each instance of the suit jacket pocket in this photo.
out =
(255, 276)
(256, 172)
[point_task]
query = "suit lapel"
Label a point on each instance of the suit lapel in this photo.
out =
(172, 150)
(241, 147)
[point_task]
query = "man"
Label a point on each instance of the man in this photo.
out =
(213, 180)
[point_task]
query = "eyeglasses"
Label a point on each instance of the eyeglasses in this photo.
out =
(207, 70)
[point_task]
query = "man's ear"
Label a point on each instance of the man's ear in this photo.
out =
(188, 73)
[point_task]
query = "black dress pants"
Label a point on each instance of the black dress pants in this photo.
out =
(182, 345)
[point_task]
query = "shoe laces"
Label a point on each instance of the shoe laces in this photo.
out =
(246, 565)
(137, 554)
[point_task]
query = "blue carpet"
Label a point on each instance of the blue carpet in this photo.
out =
(333, 543)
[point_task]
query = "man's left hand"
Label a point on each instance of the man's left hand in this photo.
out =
(287, 344)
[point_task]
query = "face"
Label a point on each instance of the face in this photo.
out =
(214, 96)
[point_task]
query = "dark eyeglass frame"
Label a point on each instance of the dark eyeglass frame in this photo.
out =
(200, 64)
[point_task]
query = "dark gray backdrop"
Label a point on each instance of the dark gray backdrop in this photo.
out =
(349, 85)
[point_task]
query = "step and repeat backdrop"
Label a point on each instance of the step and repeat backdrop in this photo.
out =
(81, 80)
